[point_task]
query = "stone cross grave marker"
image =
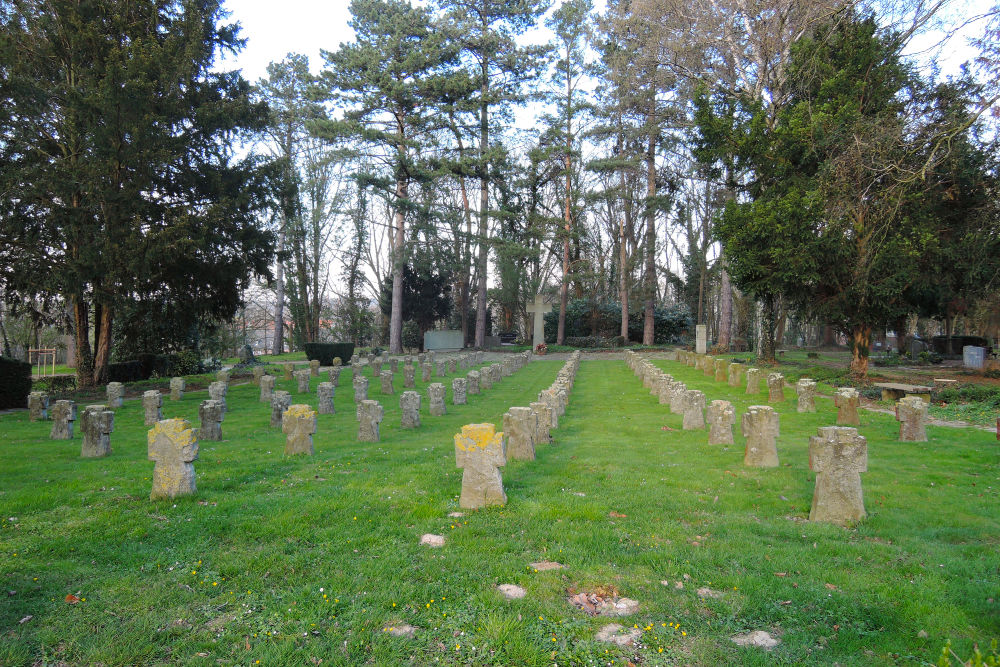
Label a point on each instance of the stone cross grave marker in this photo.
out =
(520, 427)
(324, 398)
(370, 414)
(805, 390)
(435, 395)
(302, 381)
(266, 388)
(38, 406)
(847, 400)
(172, 446)
(280, 401)
(298, 423)
(177, 387)
(911, 412)
(721, 417)
(480, 452)
(760, 425)
(458, 389)
(838, 456)
(152, 401)
(211, 414)
(409, 404)
(63, 416)
(538, 308)
(116, 394)
(97, 423)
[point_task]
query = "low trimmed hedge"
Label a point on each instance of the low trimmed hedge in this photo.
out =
(326, 352)
(15, 383)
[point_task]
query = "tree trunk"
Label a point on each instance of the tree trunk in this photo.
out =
(396, 317)
(861, 338)
(767, 329)
(278, 344)
(722, 340)
(650, 278)
(563, 292)
(81, 332)
(102, 342)
(484, 204)
(623, 278)
(829, 336)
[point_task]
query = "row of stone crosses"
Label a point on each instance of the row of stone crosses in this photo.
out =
(838, 454)
(481, 451)
(173, 443)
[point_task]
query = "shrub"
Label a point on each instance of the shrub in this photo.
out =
(15, 383)
(325, 352)
(125, 371)
(59, 384)
(929, 357)
(187, 362)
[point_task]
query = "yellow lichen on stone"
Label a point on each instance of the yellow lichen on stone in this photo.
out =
(476, 436)
(178, 430)
(300, 411)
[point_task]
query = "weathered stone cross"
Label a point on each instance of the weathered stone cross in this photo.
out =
(538, 309)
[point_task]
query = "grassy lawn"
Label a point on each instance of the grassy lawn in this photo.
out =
(291, 561)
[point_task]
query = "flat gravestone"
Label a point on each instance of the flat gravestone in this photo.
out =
(721, 417)
(211, 414)
(97, 423)
(172, 446)
(838, 456)
(458, 389)
(177, 387)
(370, 415)
(116, 394)
(435, 395)
(266, 388)
(63, 416)
(152, 401)
(298, 423)
(324, 398)
(760, 426)
(847, 400)
(409, 404)
(280, 401)
(480, 452)
(519, 427)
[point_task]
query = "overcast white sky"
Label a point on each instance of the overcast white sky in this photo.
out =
(275, 28)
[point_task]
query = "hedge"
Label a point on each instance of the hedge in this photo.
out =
(325, 352)
(15, 383)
